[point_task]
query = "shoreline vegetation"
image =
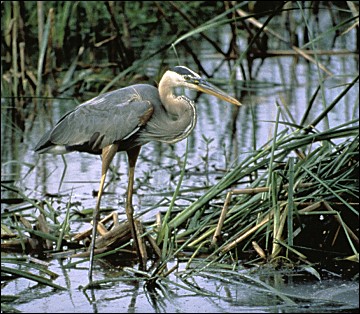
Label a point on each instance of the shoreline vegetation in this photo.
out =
(291, 204)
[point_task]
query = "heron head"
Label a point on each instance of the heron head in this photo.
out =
(181, 76)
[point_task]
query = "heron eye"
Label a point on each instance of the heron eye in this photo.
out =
(191, 79)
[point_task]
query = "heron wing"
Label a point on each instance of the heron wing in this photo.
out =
(101, 122)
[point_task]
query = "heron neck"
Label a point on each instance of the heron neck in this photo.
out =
(173, 104)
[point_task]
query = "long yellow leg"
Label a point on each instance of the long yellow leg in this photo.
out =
(108, 154)
(132, 157)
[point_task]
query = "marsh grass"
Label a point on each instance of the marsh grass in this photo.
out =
(292, 203)
(327, 175)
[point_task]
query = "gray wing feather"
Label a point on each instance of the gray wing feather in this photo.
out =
(102, 120)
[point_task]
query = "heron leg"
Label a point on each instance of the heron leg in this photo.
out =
(132, 158)
(108, 154)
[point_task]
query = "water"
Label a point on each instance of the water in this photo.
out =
(225, 294)
(220, 139)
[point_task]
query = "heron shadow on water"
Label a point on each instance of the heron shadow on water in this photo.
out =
(124, 120)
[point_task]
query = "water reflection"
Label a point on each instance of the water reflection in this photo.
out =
(216, 294)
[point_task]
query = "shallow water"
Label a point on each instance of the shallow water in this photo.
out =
(219, 140)
(225, 294)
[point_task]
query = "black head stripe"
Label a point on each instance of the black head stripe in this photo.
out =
(184, 71)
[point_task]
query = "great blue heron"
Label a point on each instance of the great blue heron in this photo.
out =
(124, 120)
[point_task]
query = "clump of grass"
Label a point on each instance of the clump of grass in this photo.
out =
(301, 205)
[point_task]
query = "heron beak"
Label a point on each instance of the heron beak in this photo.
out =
(205, 87)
